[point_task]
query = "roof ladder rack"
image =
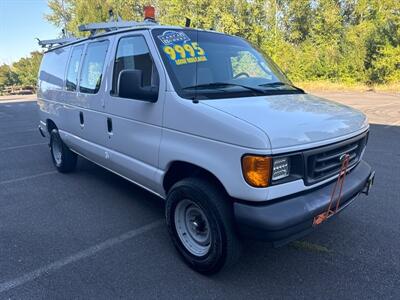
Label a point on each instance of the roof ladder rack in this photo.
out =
(115, 22)
(113, 25)
(50, 43)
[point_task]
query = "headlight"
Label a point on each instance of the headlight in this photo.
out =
(262, 171)
(281, 168)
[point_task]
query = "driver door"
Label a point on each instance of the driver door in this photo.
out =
(134, 126)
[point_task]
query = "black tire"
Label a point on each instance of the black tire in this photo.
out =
(66, 160)
(224, 245)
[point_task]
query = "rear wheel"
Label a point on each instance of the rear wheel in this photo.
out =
(200, 221)
(63, 158)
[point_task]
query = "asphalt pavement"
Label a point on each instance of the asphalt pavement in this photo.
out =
(91, 234)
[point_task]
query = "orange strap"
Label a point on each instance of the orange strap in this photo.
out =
(340, 181)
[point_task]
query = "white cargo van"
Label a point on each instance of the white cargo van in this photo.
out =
(206, 122)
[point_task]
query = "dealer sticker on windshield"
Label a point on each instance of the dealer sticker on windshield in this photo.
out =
(180, 49)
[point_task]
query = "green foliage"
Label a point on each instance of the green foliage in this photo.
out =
(22, 72)
(7, 76)
(27, 69)
(386, 67)
(346, 41)
(73, 13)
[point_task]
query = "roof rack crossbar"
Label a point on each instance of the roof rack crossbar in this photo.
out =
(113, 25)
(51, 43)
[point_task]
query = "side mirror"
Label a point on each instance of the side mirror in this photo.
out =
(130, 85)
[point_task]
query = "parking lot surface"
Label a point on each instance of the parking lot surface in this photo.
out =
(91, 234)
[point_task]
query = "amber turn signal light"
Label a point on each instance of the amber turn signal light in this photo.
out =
(257, 170)
(149, 12)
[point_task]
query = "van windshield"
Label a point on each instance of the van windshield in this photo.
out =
(207, 65)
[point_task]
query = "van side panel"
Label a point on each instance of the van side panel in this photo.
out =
(86, 110)
(74, 113)
(50, 85)
(53, 99)
(132, 148)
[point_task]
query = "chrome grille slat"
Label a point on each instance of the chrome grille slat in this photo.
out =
(324, 162)
(329, 157)
(330, 166)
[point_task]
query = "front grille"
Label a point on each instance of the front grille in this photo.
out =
(324, 162)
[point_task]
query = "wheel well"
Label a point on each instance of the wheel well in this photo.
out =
(50, 125)
(180, 170)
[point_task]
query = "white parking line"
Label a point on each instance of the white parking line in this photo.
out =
(27, 177)
(22, 146)
(21, 131)
(16, 101)
(11, 284)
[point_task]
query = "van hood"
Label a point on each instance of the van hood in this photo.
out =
(292, 120)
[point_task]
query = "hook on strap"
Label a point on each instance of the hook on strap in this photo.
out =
(334, 205)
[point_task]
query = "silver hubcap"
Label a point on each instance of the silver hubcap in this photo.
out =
(192, 227)
(56, 150)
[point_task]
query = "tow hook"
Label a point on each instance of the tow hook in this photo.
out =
(369, 183)
(333, 207)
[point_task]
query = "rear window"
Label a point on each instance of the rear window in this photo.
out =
(52, 69)
(92, 67)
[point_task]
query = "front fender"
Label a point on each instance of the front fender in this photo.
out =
(223, 160)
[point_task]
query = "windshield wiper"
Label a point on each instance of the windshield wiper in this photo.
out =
(278, 83)
(217, 85)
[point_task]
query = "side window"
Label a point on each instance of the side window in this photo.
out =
(133, 53)
(73, 67)
(92, 67)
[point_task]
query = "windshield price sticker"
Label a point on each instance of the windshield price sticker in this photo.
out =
(172, 37)
(180, 49)
(185, 54)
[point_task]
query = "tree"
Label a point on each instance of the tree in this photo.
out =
(73, 13)
(335, 40)
(386, 67)
(7, 76)
(27, 68)
(297, 19)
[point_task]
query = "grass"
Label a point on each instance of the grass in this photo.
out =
(326, 86)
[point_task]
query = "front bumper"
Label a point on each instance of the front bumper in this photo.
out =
(291, 217)
(42, 129)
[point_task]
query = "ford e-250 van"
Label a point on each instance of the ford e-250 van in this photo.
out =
(209, 124)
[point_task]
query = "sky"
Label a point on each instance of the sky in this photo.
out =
(21, 21)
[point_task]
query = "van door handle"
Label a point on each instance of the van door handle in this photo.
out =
(109, 125)
(81, 119)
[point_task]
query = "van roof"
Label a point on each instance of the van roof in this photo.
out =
(142, 26)
(135, 28)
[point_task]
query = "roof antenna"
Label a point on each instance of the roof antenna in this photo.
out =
(64, 31)
(195, 98)
(188, 21)
(111, 14)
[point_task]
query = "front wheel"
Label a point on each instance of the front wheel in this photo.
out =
(200, 221)
(63, 158)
